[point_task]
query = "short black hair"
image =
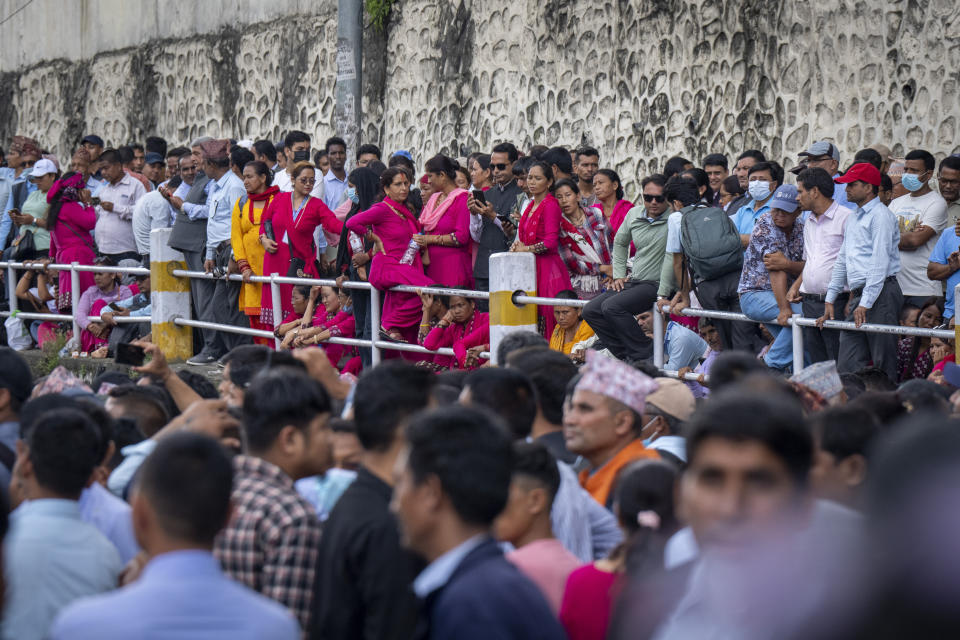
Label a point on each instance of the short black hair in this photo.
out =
(125, 153)
(187, 480)
(518, 340)
(773, 420)
(402, 161)
(249, 359)
(178, 152)
(64, 450)
(844, 431)
(683, 190)
(921, 395)
(876, 379)
(732, 366)
(716, 160)
(199, 383)
(885, 406)
(145, 404)
(508, 393)
(319, 155)
(549, 372)
(533, 460)
(240, 157)
(35, 408)
(852, 385)
(293, 137)
(368, 148)
(732, 185)
(654, 178)
(929, 162)
(334, 141)
(886, 182)
(675, 165)
(870, 156)
(950, 162)
(470, 452)
(15, 376)
(279, 397)
(819, 179)
(776, 171)
(157, 145)
(508, 148)
(559, 157)
(521, 165)
(587, 151)
(756, 154)
(385, 397)
(266, 149)
(110, 156)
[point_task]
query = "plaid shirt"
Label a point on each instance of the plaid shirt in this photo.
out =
(271, 543)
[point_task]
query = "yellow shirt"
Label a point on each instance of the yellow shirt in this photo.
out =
(245, 239)
(584, 332)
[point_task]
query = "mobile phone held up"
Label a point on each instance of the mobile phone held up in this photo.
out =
(130, 354)
(479, 197)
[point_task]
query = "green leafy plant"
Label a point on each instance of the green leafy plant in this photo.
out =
(51, 354)
(379, 12)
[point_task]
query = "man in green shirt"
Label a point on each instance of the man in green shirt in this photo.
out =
(612, 314)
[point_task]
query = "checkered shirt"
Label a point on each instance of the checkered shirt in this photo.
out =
(271, 543)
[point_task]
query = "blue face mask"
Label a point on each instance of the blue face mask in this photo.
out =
(759, 189)
(911, 182)
(352, 195)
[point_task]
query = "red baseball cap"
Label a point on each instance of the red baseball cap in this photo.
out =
(860, 171)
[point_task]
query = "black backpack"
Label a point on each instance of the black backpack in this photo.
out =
(711, 243)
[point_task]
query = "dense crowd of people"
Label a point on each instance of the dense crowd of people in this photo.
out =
(573, 490)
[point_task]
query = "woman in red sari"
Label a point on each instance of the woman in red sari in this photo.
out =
(286, 233)
(391, 227)
(445, 220)
(539, 233)
(609, 192)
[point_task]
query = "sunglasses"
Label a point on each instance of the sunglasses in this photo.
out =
(500, 166)
(649, 198)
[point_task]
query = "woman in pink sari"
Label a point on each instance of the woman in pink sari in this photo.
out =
(609, 192)
(539, 233)
(445, 220)
(391, 227)
(462, 328)
(334, 319)
(70, 220)
(286, 233)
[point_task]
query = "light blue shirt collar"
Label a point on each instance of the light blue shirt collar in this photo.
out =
(189, 564)
(50, 507)
(439, 572)
(867, 208)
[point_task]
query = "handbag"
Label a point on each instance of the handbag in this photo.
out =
(24, 247)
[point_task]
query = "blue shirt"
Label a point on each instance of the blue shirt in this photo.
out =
(9, 434)
(112, 517)
(181, 594)
(224, 194)
(133, 457)
(682, 347)
(947, 244)
(747, 216)
(334, 190)
(52, 558)
(194, 211)
(869, 253)
(438, 573)
(840, 195)
(5, 221)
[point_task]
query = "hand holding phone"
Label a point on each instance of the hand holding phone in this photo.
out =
(130, 354)
(479, 197)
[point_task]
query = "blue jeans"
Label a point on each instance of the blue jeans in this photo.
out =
(762, 307)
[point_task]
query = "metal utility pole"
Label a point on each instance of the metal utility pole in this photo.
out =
(346, 114)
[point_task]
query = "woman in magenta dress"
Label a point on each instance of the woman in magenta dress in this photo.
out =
(445, 221)
(607, 187)
(286, 232)
(334, 319)
(539, 233)
(70, 220)
(391, 227)
(462, 328)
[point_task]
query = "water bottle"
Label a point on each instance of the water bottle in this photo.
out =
(411, 251)
(356, 243)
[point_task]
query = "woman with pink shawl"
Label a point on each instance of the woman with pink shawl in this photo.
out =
(446, 227)
(70, 220)
(391, 227)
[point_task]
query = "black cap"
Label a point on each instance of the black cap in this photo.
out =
(92, 139)
(153, 158)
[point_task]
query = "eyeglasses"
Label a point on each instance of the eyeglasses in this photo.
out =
(500, 166)
(650, 198)
(306, 180)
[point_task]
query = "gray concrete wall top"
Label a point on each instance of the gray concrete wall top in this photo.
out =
(37, 30)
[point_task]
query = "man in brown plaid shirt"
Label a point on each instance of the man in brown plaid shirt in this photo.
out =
(271, 543)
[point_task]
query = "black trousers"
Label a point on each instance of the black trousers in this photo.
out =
(201, 294)
(720, 294)
(858, 349)
(822, 344)
(612, 316)
(225, 308)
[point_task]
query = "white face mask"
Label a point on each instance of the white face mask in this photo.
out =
(759, 189)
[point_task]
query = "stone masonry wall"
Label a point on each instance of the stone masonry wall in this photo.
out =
(641, 80)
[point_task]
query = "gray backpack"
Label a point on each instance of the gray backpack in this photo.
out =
(711, 244)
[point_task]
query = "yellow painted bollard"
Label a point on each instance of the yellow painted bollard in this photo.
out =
(169, 298)
(509, 273)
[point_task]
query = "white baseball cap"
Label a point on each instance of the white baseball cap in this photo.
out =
(42, 167)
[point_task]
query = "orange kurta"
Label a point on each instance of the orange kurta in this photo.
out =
(601, 482)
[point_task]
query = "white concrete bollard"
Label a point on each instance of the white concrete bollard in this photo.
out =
(509, 273)
(169, 298)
